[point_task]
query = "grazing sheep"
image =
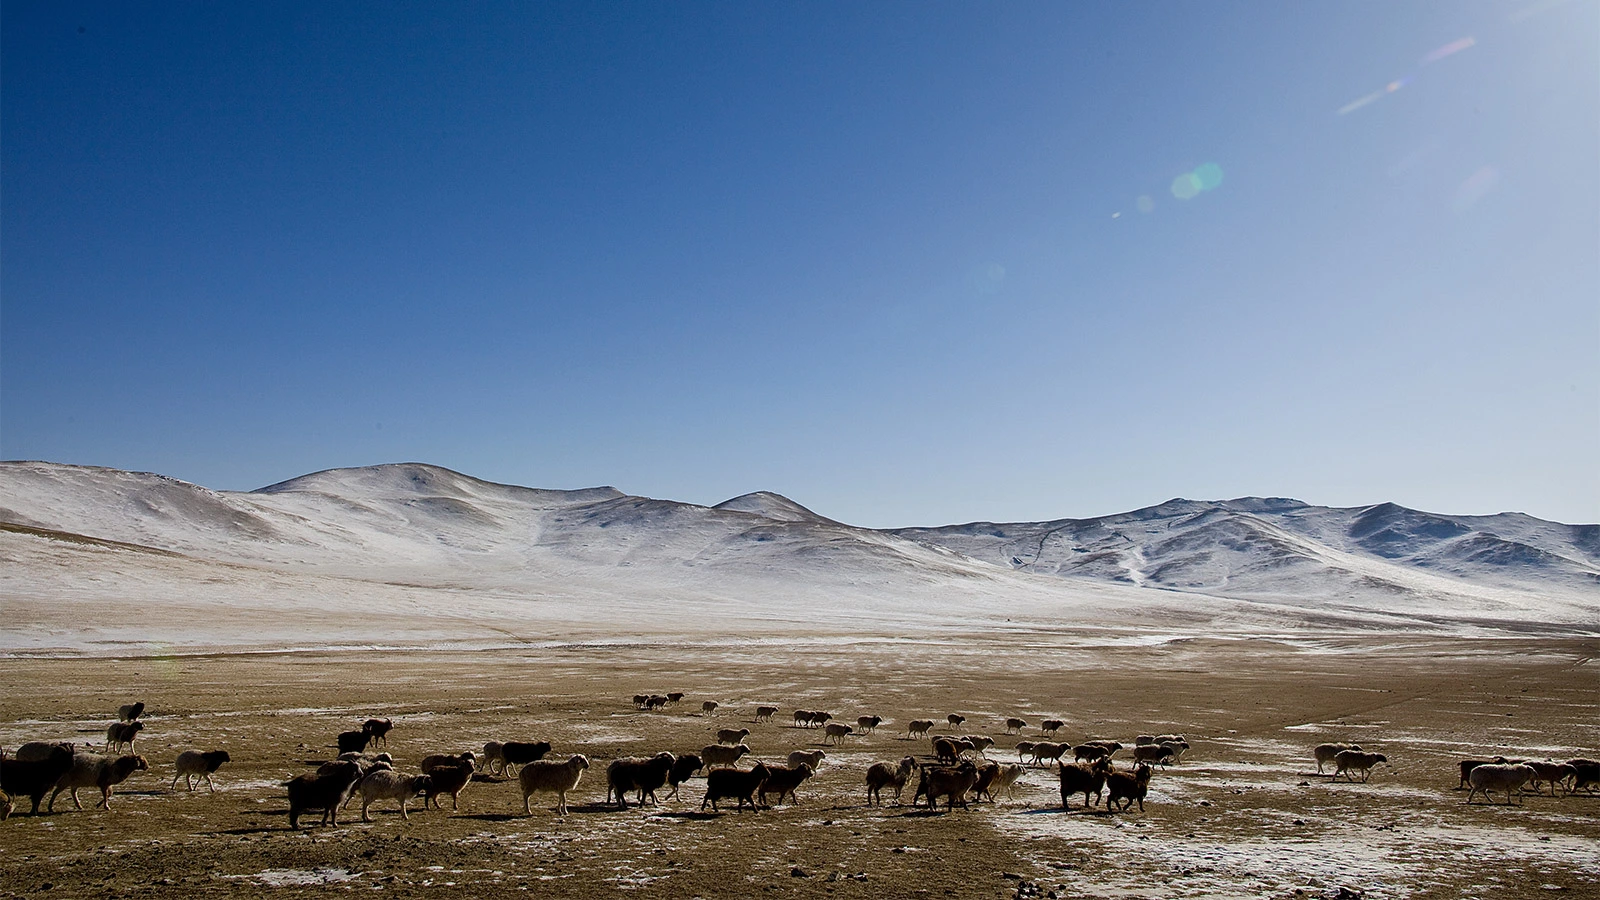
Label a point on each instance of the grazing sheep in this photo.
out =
(1127, 787)
(709, 707)
(882, 775)
(378, 729)
(494, 758)
(33, 778)
(783, 780)
(387, 784)
(447, 779)
(1499, 777)
(732, 735)
(1356, 761)
(1085, 778)
(635, 773)
(519, 753)
(1553, 772)
(951, 782)
(1051, 726)
(122, 734)
(326, 790)
(955, 720)
(438, 760)
(127, 712)
(724, 784)
(35, 751)
(919, 728)
(812, 758)
(675, 697)
(1045, 750)
(682, 770)
(868, 724)
(1015, 725)
(718, 756)
(552, 777)
(836, 733)
(192, 762)
(1023, 749)
(90, 771)
(1325, 753)
(354, 741)
(765, 713)
(996, 777)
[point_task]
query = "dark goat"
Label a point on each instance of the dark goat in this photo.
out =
(635, 773)
(127, 712)
(354, 741)
(1085, 778)
(378, 730)
(325, 791)
(34, 778)
(725, 784)
(519, 753)
(1127, 787)
(682, 771)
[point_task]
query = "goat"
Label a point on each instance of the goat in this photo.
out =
(1085, 778)
(1325, 753)
(655, 701)
(732, 735)
(1499, 777)
(634, 773)
(122, 734)
(946, 750)
(378, 729)
(639, 700)
(718, 756)
(836, 732)
(1585, 775)
(709, 707)
(35, 751)
(1051, 726)
(519, 753)
(387, 784)
(127, 712)
(447, 779)
(354, 741)
(783, 780)
(765, 713)
(724, 784)
(996, 777)
(675, 697)
(882, 775)
(192, 762)
(1015, 725)
(33, 778)
(1553, 772)
(326, 790)
(802, 718)
(812, 758)
(868, 724)
(1127, 787)
(919, 727)
(439, 760)
(682, 770)
(955, 720)
(552, 777)
(951, 782)
(1355, 760)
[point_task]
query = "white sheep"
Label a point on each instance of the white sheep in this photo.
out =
(1324, 753)
(91, 771)
(387, 784)
(1356, 761)
(1499, 777)
(835, 733)
(812, 758)
(193, 762)
(552, 777)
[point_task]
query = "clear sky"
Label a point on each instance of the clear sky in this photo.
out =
(906, 263)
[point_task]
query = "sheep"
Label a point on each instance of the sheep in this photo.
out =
(193, 762)
(127, 712)
(732, 735)
(447, 779)
(639, 700)
(440, 760)
(682, 770)
(1499, 777)
(1585, 775)
(103, 772)
(1090, 752)
(951, 782)
(919, 728)
(1015, 725)
(1160, 754)
(783, 780)
(36, 751)
(719, 756)
(33, 778)
(836, 732)
(947, 751)
(552, 777)
(655, 701)
(709, 707)
(387, 784)
(1174, 738)
(1324, 753)
(5, 806)
(634, 773)
(723, 784)
(1466, 766)
(765, 713)
(1178, 748)
(980, 743)
(1085, 778)
(1023, 749)
(955, 719)
(812, 758)
(802, 718)
(366, 761)
(1127, 787)
(1553, 772)
(1355, 760)
(494, 758)
(326, 791)
(519, 753)
(353, 741)
(1111, 747)
(882, 775)
(1144, 739)
(868, 724)
(122, 734)
(378, 729)
(1051, 726)
(996, 777)
(820, 718)
(675, 697)
(1045, 750)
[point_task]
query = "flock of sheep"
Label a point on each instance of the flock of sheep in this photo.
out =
(958, 768)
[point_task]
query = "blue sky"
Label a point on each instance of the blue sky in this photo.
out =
(906, 263)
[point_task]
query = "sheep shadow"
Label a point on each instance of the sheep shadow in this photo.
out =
(257, 829)
(490, 817)
(691, 815)
(1073, 811)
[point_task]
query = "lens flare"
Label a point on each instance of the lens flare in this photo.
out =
(1146, 203)
(1449, 49)
(1475, 188)
(1186, 186)
(1209, 176)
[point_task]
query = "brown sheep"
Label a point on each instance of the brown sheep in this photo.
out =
(1553, 772)
(33, 778)
(447, 779)
(725, 784)
(326, 791)
(1051, 726)
(1127, 787)
(130, 711)
(1085, 778)
(1356, 761)
(633, 773)
(765, 713)
(378, 730)
(682, 770)
(919, 727)
(951, 782)
(955, 720)
(103, 772)
(868, 724)
(709, 707)
(732, 735)
(882, 775)
(1015, 725)
(1324, 753)
(122, 734)
(783, 780)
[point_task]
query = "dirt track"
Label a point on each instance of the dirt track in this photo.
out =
(1241, 816)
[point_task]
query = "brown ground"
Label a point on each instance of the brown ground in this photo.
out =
(1240, 817)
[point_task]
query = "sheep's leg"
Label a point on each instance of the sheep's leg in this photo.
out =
(365, 804)
(105, 798)
(209, 785)
(403, 815)
(75, 803)
(175, 781)
(527, 810)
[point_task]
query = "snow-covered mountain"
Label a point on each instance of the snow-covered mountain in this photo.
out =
(417, 553)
